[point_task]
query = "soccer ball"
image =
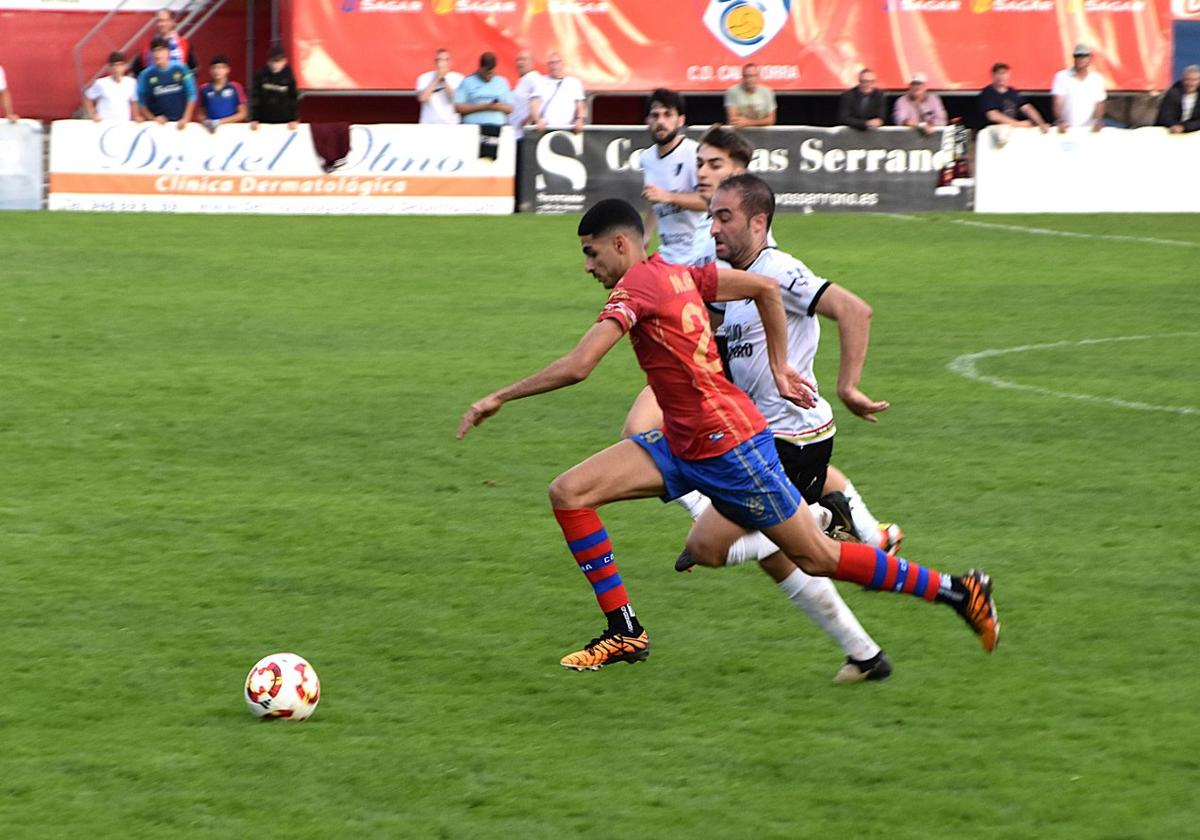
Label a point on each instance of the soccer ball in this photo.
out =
(282, 685)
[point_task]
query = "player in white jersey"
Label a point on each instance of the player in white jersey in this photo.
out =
(805, 442)
(669, 180)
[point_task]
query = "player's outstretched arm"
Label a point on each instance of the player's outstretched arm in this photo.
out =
(740, 285)
(853, 316)
(567, 370)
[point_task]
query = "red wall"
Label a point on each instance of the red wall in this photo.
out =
(37, 51)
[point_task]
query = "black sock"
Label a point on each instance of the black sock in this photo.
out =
(622, 620)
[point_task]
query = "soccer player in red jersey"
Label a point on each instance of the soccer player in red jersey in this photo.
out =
(714, 439)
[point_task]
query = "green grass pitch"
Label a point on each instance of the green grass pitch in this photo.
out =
(223, 437)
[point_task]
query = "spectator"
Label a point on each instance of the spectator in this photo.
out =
(113, 97)
(749, 103)
(6, 98)
(560, 102)
(1000, 104)
(223, 101)
(484, 97)
(273, 97)
(1179, 112)
(918, 108)
(436, 90)
(166, 89)
(529, 81)
(1079, 93)
(863, 106)
(165, 28)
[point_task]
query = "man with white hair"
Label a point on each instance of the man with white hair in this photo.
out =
(560, 102)
(1178, 112)
(1079, 93)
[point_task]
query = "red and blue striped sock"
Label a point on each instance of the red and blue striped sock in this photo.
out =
(592, 548)
(872, 568)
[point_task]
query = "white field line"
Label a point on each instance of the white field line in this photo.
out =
(965, 365)
(1069, 234)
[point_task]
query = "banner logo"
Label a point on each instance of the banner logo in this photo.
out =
(1185, 8)
(746, 26)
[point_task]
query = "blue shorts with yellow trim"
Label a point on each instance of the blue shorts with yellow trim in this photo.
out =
(747, 484)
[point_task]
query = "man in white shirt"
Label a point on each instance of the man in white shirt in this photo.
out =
(113, 97)
(529, 81)
(560, 102)
(6, 98)
(1079, 94)
(435, 92)
(674, 209)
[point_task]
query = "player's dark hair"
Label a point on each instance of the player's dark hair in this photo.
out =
(757, 196)
(665, 98)
(998, 66)
(219, 59)
(609, 215)
(116, 57)
(276, 53)
(487, 61)
(730, 142)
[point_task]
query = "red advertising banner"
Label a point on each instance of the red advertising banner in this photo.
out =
(700, 45)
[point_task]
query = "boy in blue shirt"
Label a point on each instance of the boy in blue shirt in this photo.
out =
(223, 101)
(484, 98)
(166, 89)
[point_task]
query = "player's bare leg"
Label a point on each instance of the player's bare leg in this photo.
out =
(622, 471)
(872, 568)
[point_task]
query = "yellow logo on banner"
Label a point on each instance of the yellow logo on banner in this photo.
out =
(443, 7)
(744, 23)
(746, 26)
(981, 7)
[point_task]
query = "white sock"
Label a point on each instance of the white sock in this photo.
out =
(756, 546)
(751, 548)
(866, 526)
(694, 502)
(818, 598)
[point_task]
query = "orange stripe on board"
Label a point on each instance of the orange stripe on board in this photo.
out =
(288, 186)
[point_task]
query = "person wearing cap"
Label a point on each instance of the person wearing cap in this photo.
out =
(1079, 93)
(1000, 104)
(166, 89)
(919, 108)
(113, 97)
(1180, 109)
(863, 106)
(750, 103)
(273, 95)
(223, 101)
(6, 98)
(484, 97)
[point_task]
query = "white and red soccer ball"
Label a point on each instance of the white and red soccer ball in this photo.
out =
(282, 685)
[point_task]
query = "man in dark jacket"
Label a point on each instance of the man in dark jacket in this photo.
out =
(862, 107)
(1180, 110)
(273, 94)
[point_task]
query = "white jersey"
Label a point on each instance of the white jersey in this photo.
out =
(1080, 96)
(676, 227)
(439, 108)
(113, 97)
(748, 363)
